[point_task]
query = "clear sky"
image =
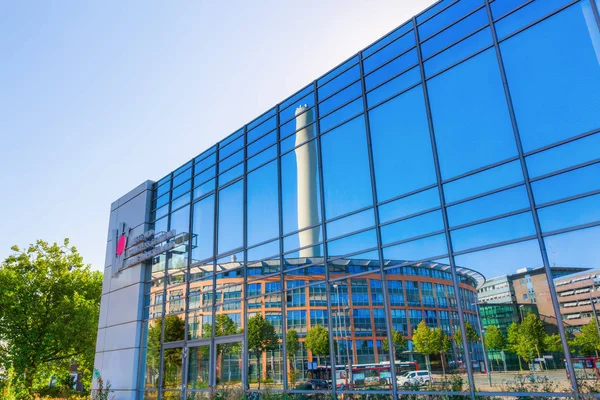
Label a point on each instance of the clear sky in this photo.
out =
(99, 96)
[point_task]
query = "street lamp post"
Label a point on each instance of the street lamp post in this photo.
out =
(485, 357)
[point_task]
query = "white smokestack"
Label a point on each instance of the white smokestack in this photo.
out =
(306, 167)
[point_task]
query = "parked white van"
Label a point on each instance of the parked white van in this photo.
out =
(409, 378)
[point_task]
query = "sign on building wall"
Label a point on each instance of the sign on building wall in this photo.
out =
(129, 252)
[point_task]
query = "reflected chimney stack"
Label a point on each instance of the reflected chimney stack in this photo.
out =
(306, 167)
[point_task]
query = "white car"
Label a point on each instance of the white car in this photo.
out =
(409, 378)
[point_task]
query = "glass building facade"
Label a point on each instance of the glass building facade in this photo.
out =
(348, 229)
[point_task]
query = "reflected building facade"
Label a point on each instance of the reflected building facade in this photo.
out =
(440, 182)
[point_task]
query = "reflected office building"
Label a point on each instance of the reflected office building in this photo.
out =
(423, 217)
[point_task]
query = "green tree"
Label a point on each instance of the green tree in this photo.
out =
(317, 341)
(398, 341)
(472, 335)
(588, 341)
(531, 338)
(445, 344)
(174, 331)
(292, 345)
(494, 340)
(512, 341)
(261, 338)
(553, 343)
(49, 310)
(426, 341)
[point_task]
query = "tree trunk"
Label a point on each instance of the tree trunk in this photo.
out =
(443, 364)
(258, 371)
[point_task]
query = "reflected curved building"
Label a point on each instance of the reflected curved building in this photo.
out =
(352, 226)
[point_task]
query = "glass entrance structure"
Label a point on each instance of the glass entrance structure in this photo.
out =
(344, 238)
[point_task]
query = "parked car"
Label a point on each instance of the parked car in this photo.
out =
(409, 378)
(314, 384)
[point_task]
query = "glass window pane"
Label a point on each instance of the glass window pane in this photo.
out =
(409, 205)
(203, 229)
(463, 100)
(346, 174)
(354, 222)
(337, 70)
(348, 111)
(396, 126)
(203, 163)
(412, 227)
(525, 15)
(581, 180)
(260, 130)
(261, 143)
(263, 204)
(572, 213)
(387, 39)
(231, 148)
(393, 68)
(305, 97)
(458, 52)
(482, 182)
(262, 157)
(198, 367)
(488, 206)
(448, 16)
(457, 31)
(350, 93)
(352, 243)
(231, 216)
(394, 86)
(562, 49)
(338, 83)
(421, 249)
(390, 51)
(566, 155)
(514, 227)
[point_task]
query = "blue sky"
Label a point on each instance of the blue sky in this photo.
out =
(96, 97)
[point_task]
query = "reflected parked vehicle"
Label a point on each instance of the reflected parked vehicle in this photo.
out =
(414, 378)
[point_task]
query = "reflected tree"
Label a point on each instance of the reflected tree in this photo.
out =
(317, 341)
(494, 340)
(261, 338)
(398, 341)
(426, 341)
(588, 342)
(292, 345)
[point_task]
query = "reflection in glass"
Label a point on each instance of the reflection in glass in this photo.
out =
(464, 99)
(231, 214)
(203, 229)
(263, 204)
(401, 123)
(198, 367)
(566, 57)
(346, 169)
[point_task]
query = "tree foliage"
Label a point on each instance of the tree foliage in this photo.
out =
(398, 341)
(494, 339)
(317, 340)
(531, 335)
(426, 341)
(588, 341)
(292, 344)
(472, 335)
(49, 310)
(261, 338)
